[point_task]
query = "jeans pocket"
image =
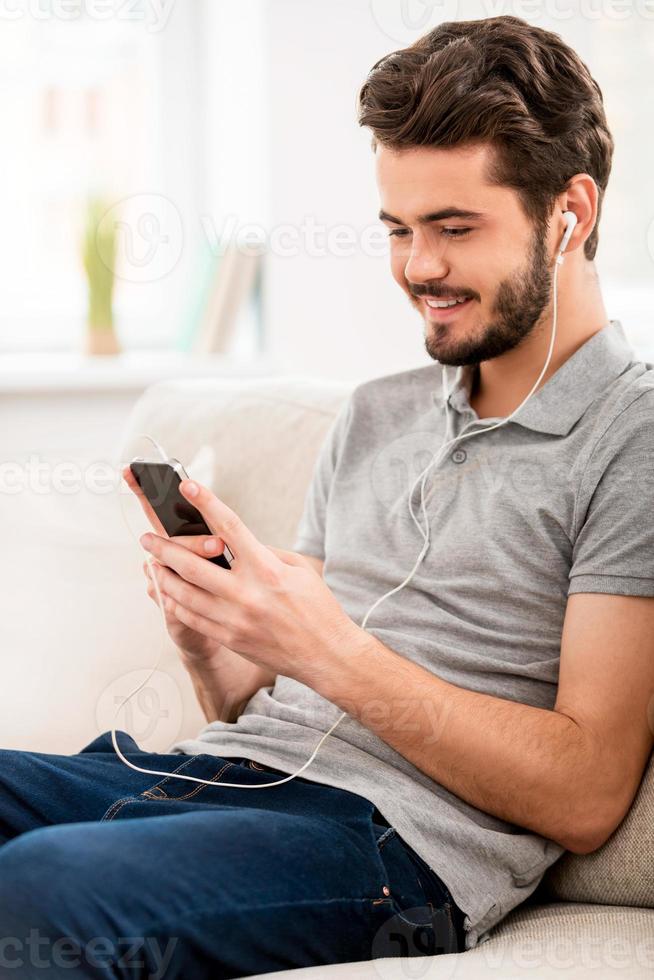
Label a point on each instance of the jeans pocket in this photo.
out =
(172, 788)
(422, 919)
(211, 768)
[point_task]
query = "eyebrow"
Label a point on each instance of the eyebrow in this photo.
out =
(441, 215)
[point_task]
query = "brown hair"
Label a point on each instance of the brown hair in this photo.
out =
(503, 81)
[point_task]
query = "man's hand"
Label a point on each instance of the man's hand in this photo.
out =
(223, 680)
(195, 646)
(272, 607)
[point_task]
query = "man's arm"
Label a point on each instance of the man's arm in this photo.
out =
(569, 774)
(606, 685)
(224, 687)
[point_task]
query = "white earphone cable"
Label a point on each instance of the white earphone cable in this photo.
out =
(424, 532)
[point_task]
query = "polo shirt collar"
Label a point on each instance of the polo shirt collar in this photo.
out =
(565, 396)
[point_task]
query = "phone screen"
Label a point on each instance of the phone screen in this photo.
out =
(160, 483)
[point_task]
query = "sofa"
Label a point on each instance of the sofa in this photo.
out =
(79, 632)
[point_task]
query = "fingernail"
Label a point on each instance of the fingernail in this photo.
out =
(210, 545)
(191, 488)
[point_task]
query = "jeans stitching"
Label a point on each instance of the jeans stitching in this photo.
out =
(119, 804)
(199, 788)
(400, 911)
(422, 869)
(115, 807)
(171, 775)
(422, 866)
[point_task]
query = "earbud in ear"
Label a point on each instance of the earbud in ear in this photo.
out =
(570, 219)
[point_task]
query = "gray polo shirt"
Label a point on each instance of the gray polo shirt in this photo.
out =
(559, 500)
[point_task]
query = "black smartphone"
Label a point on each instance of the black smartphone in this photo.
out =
(160, 484)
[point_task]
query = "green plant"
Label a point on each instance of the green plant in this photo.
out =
(99, 257)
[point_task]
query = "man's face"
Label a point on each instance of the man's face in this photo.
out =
(495, 259)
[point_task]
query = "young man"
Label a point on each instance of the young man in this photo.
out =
(497, 704)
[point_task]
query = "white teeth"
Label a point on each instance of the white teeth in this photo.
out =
(442, 304)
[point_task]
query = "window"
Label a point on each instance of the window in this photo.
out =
(106, 106)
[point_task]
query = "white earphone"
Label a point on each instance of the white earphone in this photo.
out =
(570, 220)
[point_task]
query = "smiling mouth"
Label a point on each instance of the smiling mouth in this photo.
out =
(441, 304)
(443, 309)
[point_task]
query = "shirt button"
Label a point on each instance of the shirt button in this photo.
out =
(459, 455)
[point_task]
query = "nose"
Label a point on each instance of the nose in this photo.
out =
(427, 259)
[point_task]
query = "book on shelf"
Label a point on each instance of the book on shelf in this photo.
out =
(227, 284)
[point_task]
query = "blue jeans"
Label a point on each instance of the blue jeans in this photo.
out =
(110, 873)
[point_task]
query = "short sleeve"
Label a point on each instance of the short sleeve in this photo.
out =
(310, 534)
(614, 547)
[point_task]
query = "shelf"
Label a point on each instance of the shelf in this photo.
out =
(30, 373)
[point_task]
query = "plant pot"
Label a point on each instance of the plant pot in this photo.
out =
(101, 341)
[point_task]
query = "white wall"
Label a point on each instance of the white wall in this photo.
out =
(236, 106)
(329, 314)
(285, 148)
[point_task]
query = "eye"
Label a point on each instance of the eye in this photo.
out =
(446, 232)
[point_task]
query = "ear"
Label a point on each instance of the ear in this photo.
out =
(581, 197)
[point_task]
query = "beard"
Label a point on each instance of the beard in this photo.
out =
(518, 306)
